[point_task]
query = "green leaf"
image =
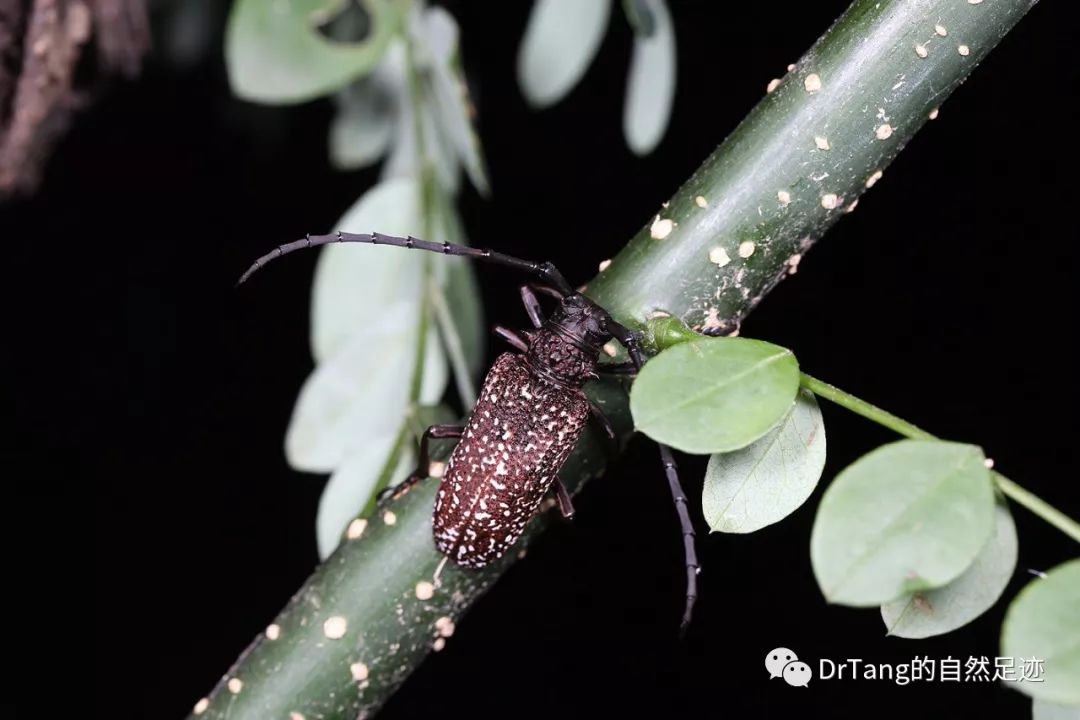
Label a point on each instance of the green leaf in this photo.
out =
(770, 478)
(365, 305)
(1044, 622)
(354, 482)
(650, 85)
(944, 609)
(363, 127)
(909, 516)
(714, 394)
(560, 42)
(275, 54)
(1043, 710)
(449, 93)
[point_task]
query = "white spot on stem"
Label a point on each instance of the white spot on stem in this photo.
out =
(773, 84)
(235, 685)
(604, 265)
(356, 528)
(335, 627)
(873, 179)
(273, 631)
(940, 30)
(719, 256)
(701, 202)
(436, 468)
(921, 51)
(829, 201)
(883, 132)
(933, 114)
(746, 248)
(439, 644)
(296, 716)
(200, 707)
(963, 50)
(812, 83)
(783, 197)
(389, 517)
(425, 590)
(610, 350)
(661, 228)
(445, 626)
(359, 671)
(989, 463)
(821, 142)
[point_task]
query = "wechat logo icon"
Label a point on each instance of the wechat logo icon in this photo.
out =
(784, 663)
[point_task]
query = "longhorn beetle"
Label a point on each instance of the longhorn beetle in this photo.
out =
(528, 418)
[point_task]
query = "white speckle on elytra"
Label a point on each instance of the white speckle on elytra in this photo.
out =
(812, 83)
(273, 631)
(933, 114)
(873, 179)
(921, 51)
(821, 142)
(425, 590)
(604, 265)
(963, 50)
(201, 706)
(356, 528)
(610, 350)
(235, 685)
(783, 197)
(436, 468)
(445, 626)
(359, 671)
(746, 248)
(989, 463)
(389, 517)
(773, 84)
(940, 30)
(719, 256)
(701, 202)
(661, 228)
(335, 627)
(829, 201)
(883, 132)
(439, 644)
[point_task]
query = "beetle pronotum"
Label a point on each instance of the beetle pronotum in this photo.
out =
(528, 418)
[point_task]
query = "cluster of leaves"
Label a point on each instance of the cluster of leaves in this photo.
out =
(914, 527)
(394, 70)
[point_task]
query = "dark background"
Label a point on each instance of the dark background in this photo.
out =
(151, 399)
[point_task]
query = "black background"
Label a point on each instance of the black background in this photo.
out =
(154, 398)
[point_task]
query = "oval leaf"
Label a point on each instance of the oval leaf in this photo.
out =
(714, 395)
(361, 131)
(770, 478)
(450, 94)
(650, 86)
(906, 517)
(275, 54)
(352, 484)
(560, 41)
(935, 612)
(1043, 622)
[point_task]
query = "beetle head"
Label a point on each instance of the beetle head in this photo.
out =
(581, 321)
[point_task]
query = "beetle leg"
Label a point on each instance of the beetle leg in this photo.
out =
(422, 472)
(566, 505)
(532, 306)
(611, 440)
(689, 549)
(620, 368)
(513, 337)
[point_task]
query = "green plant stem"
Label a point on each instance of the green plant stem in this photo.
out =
(1010, 489)
(386, 598)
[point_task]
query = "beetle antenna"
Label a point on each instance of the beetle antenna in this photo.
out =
(542, 270)
(629, 340)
